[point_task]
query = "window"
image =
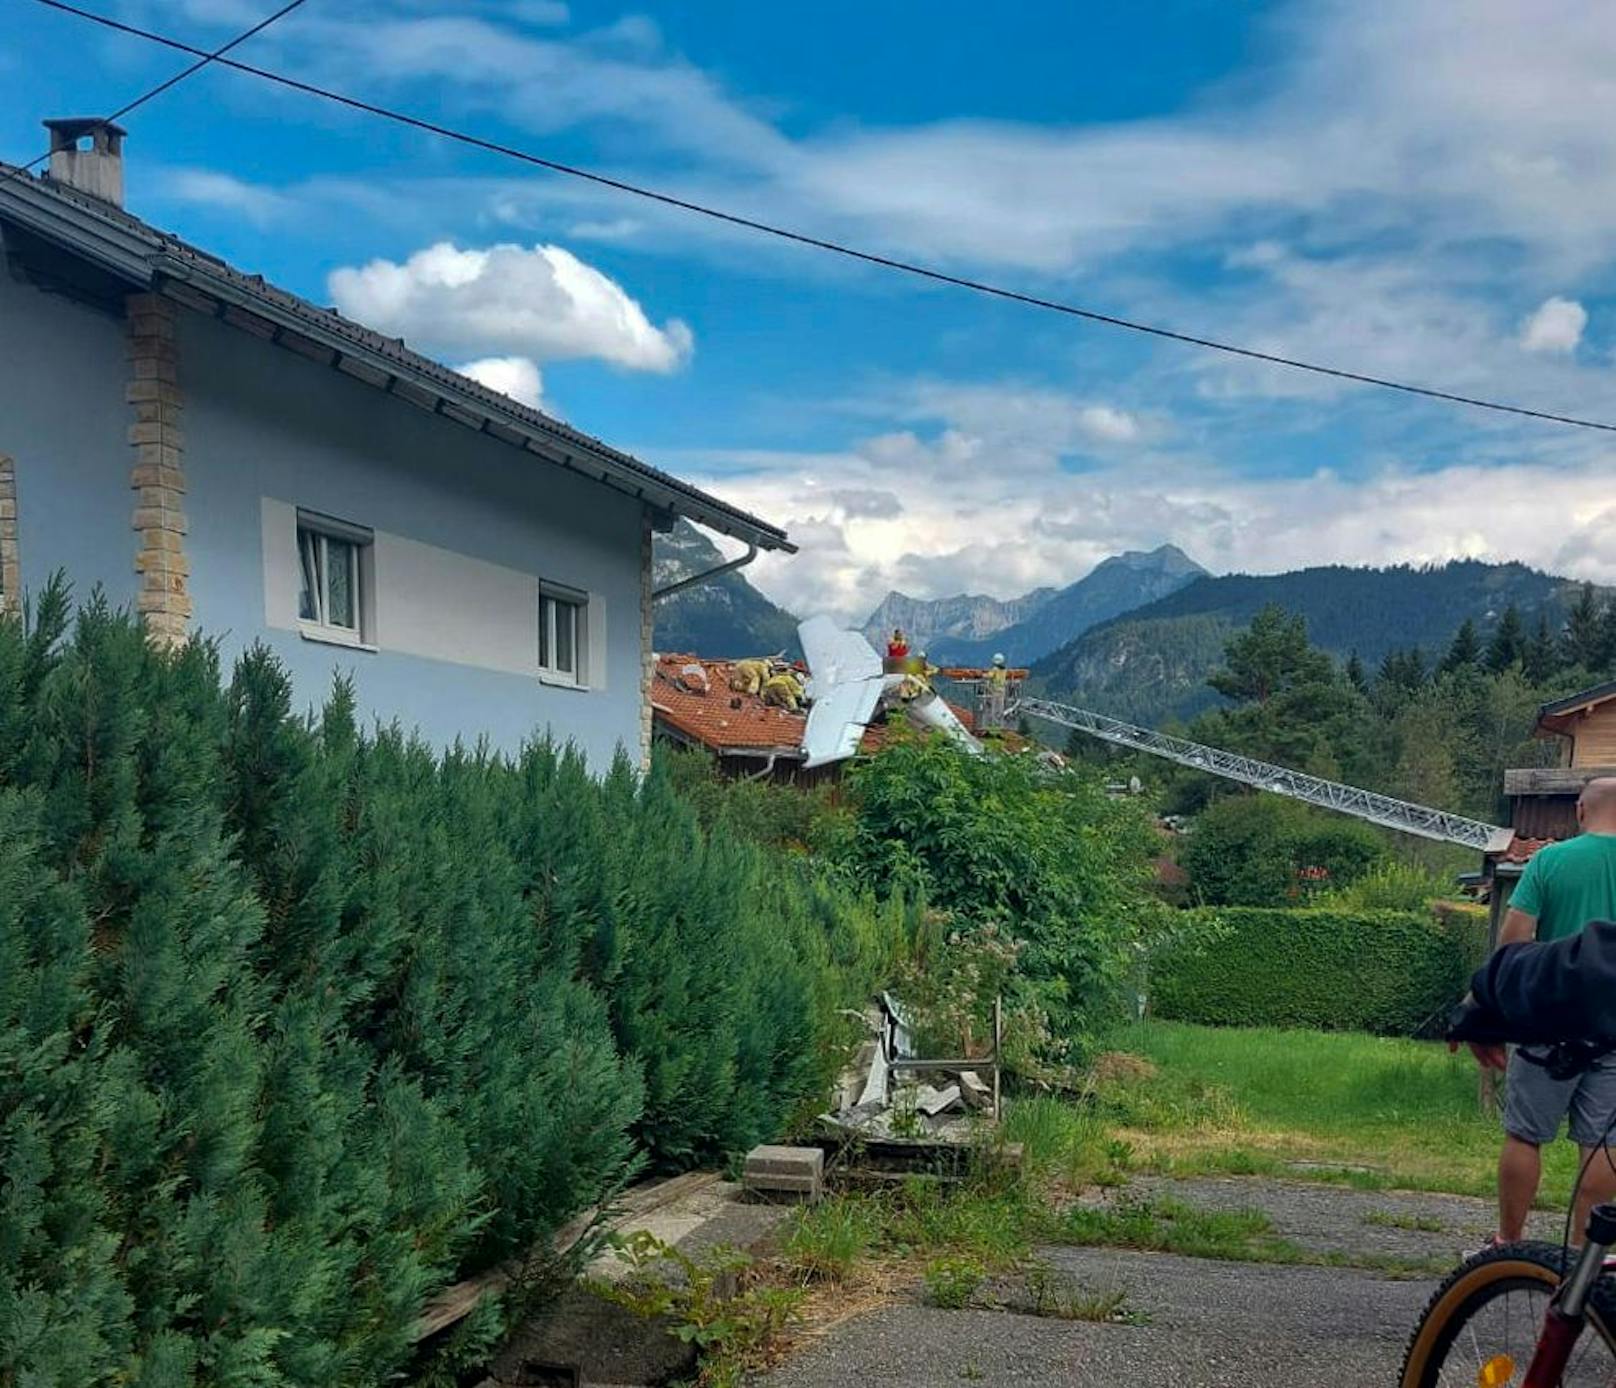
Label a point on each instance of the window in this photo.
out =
(563, 635)
(332, 578)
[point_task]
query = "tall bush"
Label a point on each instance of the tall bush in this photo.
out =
(1391, 972)
(300, 1022)
(1262, 850)
(1047, 857)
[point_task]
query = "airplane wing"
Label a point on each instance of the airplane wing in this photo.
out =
(844, 686)
(835, 655)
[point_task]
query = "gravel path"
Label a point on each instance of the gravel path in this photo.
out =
(1213, 1325)
(1204, 1324)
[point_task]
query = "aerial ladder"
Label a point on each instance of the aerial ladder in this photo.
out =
(1281, 780)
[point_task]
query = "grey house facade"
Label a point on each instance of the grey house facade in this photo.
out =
(231, 460)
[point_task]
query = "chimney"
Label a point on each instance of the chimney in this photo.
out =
(96, 168)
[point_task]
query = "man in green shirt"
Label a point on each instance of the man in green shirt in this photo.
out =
(1564, 886)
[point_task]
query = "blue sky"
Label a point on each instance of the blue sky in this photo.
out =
(1415, 189)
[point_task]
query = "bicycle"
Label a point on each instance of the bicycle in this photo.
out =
(1515, 1308)
(1533, 1314)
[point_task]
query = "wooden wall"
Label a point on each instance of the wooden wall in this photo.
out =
(1594, 739)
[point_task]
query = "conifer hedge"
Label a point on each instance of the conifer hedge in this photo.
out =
(1392, 972)
(300, 1022)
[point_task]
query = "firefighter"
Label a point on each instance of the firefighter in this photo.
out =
(783, 690)
(749, 676)
(996, 686)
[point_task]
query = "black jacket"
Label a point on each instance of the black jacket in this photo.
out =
(1543, 993)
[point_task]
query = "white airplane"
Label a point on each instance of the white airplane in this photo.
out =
(849, 683)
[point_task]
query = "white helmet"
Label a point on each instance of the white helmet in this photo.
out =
(998, 657)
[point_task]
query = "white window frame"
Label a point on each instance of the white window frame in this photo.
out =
(554, 599)
(323, 529)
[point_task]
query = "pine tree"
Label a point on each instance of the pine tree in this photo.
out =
(1357, 677)
(1465, 651)
(1542, 658)
(1508, 646)
(1583, 643)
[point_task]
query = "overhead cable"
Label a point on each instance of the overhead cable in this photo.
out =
(820, 243)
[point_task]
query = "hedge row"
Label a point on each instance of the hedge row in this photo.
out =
(1389, 972)
(300, 1023)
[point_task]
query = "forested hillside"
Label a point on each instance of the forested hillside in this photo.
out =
(724, 617)
(1436, 727)
(1152, 664)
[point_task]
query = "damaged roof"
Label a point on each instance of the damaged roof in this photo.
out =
(692, 697)
(147, 259)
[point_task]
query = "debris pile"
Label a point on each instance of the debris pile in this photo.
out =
(890, 1094)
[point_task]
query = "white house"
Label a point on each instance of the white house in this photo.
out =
(232, 460)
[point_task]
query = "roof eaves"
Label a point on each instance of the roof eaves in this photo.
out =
(1598, 694)
(147, 257)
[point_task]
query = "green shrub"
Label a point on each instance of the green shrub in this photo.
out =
(299, 1024)
(1389, 886)
(1049, 860)
(1263, 850)
(1389, 972)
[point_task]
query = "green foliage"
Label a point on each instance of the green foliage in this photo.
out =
(1261, 850)
(706, 1302)
(1389, 886)
(1390, 972)
(1047, 858)
(827, 1239)
(1271, 656)
(299, 1024)
(950, 1283)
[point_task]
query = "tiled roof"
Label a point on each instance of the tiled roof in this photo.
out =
(1520, 849)
(135, 250)
(694, 698)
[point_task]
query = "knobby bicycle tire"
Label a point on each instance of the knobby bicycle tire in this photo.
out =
(1476, 1282)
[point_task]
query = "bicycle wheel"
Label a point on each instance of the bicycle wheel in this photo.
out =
(1481, 1325)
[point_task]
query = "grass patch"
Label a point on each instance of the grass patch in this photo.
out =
(1387, 1219)
(827, 1240)
(1165, 1225)
(1365, 1111)
(1052, 1293)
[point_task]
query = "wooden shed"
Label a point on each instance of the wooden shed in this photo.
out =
(1543, 799)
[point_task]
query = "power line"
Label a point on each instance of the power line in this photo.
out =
(820, 243)
(202, 61)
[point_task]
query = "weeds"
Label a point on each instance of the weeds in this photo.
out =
(1388, 1219)
(1050, 1292)
(828, 1239)
(732, 1324)
(950, 1283)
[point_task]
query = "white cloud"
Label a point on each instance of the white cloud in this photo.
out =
(253, 202)
(1555, 326)
(517, 377)
(969, 521)
(1104, 422)
(542, 303)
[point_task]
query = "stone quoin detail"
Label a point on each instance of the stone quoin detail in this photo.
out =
(647, 657)
(10, 560)
(157, 473)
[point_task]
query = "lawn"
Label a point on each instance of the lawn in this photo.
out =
(1371, 1111)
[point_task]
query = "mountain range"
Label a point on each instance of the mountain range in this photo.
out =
(1138, 635)
(1151, 664)
(725, 617)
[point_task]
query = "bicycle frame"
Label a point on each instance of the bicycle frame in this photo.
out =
(1567, 1314)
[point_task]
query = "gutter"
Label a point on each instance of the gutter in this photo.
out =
(706, 575)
